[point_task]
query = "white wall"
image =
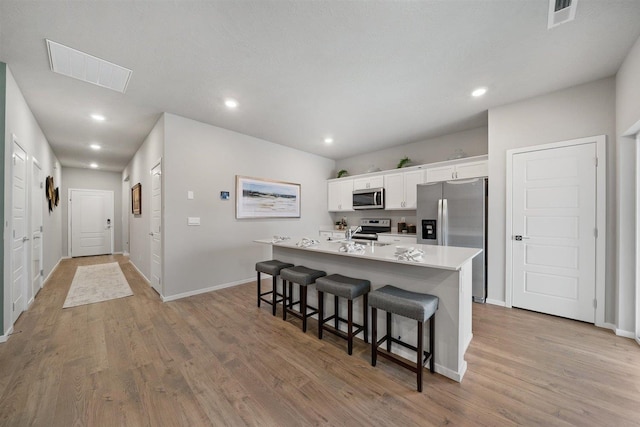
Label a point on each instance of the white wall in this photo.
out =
(206, 159)
(580, 111)
(627, 115)
(20, 121)
(138, 171)
(89, 179)
(473, 142)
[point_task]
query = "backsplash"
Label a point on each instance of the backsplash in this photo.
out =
(353, 218)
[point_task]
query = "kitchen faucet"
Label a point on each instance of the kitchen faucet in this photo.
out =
(350, 232)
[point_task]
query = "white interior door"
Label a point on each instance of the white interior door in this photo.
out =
(37, 196)
(156, 227)
(554, 226)
(91, 222)
(19, 232)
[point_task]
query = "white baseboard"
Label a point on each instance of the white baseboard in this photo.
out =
(5, 337)
(456, 376)
(205, 290)
(495, 302)
(52, 270)
(607, 326)
(125, 253)
(626, 334)
(140, 272)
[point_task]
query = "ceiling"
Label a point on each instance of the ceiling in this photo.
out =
(370, 74)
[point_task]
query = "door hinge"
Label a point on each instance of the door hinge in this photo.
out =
(41, 185)
(596, 162)
(14, 307)
(42, 272)
(41, 229)
(595, 303)
(14, 234)
(595, 232)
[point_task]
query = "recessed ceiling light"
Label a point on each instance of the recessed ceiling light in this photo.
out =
(93, 165)
(328, 140)
(98, 117)
(95, 146)
(231, 103)
(479, 92)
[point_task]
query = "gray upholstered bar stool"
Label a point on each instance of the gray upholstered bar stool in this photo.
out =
(414, 305)
(343, 287)
(304, 277)
(272, 267)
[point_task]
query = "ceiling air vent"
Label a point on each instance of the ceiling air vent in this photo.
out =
(79, 65)
(561, 12)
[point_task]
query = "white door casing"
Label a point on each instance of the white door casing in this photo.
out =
(90, 222)
(556, 229)
(36, 197)
(19, 234)
(155, 232)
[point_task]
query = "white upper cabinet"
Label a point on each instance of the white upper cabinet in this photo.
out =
(368, 182)
(400, 189)
(340, 195)
(459, 171)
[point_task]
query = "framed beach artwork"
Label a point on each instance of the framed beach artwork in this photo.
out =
(261, 198)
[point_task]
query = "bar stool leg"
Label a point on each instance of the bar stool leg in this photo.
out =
(420, 355)
(388, 331)
(432, 334)
(284, 299)
(350, 326)
(374, 335)
(336, 311)
(365, 306)
(274, 297)
(303, 306)
(258, 288)
(320, 313)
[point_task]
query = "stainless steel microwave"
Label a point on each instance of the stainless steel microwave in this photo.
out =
(370, 198)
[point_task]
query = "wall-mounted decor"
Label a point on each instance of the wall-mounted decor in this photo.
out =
(56, 196)
(224, 195)
(50, 193)
(136, 199)
(261, 198)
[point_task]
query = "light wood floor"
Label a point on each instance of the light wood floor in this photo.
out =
(216, 359)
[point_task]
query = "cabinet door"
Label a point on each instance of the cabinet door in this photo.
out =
(346, 195)
(443, 173)
(411, 181)
(393, 191)
(325, 235)
(368, 182)
(472, 170)
(333, 196)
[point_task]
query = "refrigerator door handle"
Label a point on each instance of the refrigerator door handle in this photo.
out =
(439, 227)
(445, 223)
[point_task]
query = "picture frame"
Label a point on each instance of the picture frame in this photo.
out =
(136, 199)
(265, 198)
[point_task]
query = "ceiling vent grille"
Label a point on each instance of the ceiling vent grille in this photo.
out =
(79, 65)
(561, 12)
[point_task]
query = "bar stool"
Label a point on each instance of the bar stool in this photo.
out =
(414, 305)
(304, 277)
(350, 289)
(273, 268)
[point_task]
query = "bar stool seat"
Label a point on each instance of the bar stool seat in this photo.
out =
(413, 305)
(343, 287)
(273, 268)
(303, 276)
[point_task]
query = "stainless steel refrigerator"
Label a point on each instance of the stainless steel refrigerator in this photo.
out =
(454, 213)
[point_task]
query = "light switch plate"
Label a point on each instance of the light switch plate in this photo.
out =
(193, 220)
(189, 195)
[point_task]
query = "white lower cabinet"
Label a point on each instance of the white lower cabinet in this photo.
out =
(397, 240)
(401, 189)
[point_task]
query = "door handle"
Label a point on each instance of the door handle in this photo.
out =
(25, 238)
(151, 233)
(36, 237)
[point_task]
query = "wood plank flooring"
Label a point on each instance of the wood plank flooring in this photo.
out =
(216, 359)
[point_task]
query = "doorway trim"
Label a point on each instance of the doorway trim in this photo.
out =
(601, 220)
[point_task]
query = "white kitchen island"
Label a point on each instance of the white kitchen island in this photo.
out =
(444, 271)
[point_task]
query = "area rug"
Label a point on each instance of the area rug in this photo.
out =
(96, 283)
